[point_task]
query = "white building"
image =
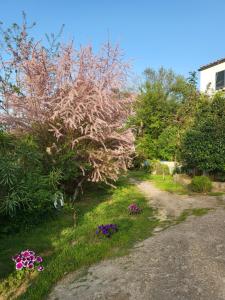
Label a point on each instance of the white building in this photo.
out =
(212, 77)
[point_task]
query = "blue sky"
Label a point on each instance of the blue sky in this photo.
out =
(177, 34)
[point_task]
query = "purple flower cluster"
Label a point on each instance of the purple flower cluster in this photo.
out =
(107, 230)
(27, 260)
(134, 209)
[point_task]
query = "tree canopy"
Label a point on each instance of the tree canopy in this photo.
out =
(73, 96)
(203, 145)
(164, 108)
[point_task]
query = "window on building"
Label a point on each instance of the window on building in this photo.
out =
(220, 80)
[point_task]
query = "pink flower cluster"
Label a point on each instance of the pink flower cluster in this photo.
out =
(27, 260)
(134, 209)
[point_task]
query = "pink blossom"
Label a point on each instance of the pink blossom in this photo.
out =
(39, 259)
(40, 268)
(18, 259)
(79, 97)
(19, 266)
(26, 253)
(27, 260)
(31, 266)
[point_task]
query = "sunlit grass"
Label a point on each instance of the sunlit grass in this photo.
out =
(139, 174)
(166, 183)
(66, 248)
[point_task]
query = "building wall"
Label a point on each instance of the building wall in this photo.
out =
(170, 164)
(209, 76)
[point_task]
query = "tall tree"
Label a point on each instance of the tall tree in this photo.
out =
(72, 95)
(155, 110)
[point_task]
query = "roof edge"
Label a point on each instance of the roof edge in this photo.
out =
(217, 62)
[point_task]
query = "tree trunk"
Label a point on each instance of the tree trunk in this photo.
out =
(77, 189)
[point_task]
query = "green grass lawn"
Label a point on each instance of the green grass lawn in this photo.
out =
(163, 183)
(66, 248)
(168, 184)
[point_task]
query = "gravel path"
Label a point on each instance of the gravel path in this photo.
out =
(172, 205)
(186, 261)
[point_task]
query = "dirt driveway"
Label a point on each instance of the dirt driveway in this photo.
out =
(172, 205)
(186, 261)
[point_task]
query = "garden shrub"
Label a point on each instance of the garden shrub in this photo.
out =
(26, 191)
(201, 184)
(137, 162)
(203, 144)
(75, 99)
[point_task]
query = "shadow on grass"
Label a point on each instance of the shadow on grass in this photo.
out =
(40, 239)
(66, 248)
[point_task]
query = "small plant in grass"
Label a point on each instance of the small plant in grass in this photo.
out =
(134, 209)
(201, 184)
(107, 230)
(28, 260)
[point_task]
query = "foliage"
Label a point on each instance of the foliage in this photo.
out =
(165, 80)
(193, 78)
(163, 111)
(155, 108)
(66, 248)
(201, 184)
(138, 162)
(25, 190)
(203, 145)
(27, 260)
(74, 96)
(146, 146)
(167, 143)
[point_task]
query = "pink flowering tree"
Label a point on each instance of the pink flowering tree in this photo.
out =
(75, 97)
